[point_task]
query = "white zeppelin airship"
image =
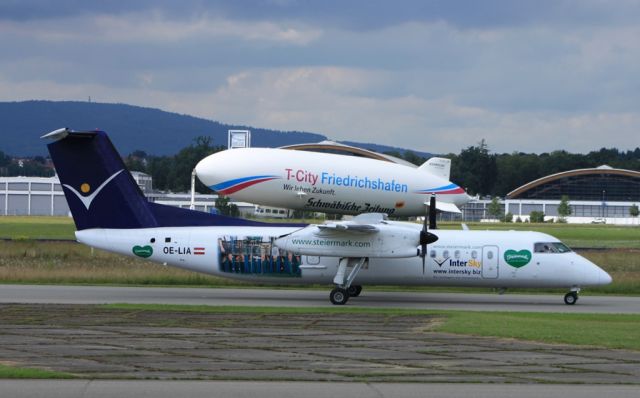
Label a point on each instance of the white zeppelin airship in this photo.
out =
(111, 213)
(330, 183)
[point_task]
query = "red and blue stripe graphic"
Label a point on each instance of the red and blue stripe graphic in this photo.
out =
(231, 186)
(443, 190)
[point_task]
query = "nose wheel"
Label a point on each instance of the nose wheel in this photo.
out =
(571, 298)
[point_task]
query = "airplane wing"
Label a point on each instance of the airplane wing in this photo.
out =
(363, 223)
(343, 227)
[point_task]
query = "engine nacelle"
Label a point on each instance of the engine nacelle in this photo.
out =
(386, 241)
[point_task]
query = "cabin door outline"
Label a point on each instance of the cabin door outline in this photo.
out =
(490, 262)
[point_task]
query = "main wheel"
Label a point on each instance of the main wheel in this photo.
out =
(570, 298)
(354, 290)
(339, 296)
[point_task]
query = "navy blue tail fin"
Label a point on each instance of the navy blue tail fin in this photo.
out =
(101, 192)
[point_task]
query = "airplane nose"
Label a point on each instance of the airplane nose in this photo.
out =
(604, 277)
(594, 275)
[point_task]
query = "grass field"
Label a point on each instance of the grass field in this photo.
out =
(602, 330)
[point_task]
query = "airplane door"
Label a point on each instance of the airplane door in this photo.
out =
(490, 256)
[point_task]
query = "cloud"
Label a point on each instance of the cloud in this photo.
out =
(152, 26)
(436, 76)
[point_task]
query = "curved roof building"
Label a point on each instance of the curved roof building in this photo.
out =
(342, 149)
(603, 183)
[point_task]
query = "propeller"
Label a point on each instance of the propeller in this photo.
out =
(427, 237)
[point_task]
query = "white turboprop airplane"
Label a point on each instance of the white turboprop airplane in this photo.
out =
(330, 183)
(111, 213)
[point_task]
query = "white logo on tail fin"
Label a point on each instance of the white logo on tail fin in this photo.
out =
(86, 200)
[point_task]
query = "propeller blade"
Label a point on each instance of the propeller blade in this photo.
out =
(427, 237)
(432, 212)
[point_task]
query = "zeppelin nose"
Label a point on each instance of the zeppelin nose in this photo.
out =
(203, 170)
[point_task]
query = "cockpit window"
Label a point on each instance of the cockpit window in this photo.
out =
(550, 247)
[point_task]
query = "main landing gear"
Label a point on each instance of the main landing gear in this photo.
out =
(571, 297)
(340, 295)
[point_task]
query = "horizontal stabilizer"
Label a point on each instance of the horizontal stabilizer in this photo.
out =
(448, 207)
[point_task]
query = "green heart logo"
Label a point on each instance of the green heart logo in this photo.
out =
(143, 251)
(517, 258)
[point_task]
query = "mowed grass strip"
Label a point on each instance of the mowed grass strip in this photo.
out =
(575, 235)
(15, 372)
(36, 227)
(600, 330)
(583, 235)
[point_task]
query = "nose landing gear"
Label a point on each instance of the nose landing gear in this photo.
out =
(571, 297)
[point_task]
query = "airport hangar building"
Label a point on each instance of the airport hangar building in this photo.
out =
(602, 194)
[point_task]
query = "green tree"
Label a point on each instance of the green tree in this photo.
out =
(225, 207)
(494, 209)
(158, 167)
(633, 210)
(564, 209)
(411, 157)
(536, 216)
(184, 162)
(475, 169)
(5, 159)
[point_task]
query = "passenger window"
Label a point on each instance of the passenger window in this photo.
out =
(432, 254)
(489, 255)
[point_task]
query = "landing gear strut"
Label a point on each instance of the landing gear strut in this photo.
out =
(571, 298)
(348, 268)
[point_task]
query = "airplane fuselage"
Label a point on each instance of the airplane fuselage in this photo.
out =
(500, 259)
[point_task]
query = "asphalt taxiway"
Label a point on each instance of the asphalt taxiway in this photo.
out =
(197, 389)
(45, 294)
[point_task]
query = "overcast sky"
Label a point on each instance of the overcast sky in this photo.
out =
(437, 76)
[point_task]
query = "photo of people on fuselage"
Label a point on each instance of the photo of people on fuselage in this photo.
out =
(257, 255)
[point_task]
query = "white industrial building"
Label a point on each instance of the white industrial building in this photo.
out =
(43, 196)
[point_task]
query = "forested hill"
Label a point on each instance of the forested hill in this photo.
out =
(130, 127)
